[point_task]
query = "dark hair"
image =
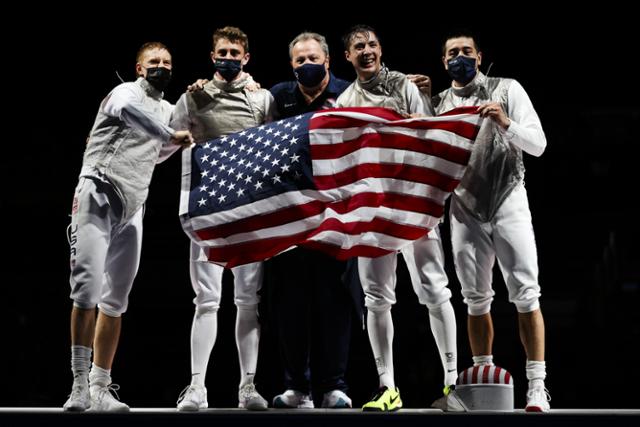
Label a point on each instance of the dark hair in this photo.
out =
(459, 32)
(354, 31)
(233, 34)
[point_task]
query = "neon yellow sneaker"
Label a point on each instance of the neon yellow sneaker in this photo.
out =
(386, 400)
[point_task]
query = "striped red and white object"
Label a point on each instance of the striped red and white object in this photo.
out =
(484, 374)
(350, 182)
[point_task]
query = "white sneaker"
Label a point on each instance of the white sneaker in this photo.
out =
(249, 398)
(80, 399)
(538, 400)
(450, 402)
(193, 398)
(336, 399)
(293, 399)
(103, 401)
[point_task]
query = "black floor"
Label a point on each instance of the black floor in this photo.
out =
(317, 417)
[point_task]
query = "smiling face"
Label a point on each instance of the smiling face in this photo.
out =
(365, 54)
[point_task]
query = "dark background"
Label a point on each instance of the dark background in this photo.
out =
(579, 68)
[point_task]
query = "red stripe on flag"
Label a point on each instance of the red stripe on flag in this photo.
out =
(339, 121)
(256, 250)
(299, 212)
(383, 113)
(464, 129)
(395, 141)
(396, 171)
(460, 110)
(257, 222)
(377, 225)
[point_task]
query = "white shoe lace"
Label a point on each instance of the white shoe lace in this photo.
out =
(108, 389)
(538, 394)
(189, 393)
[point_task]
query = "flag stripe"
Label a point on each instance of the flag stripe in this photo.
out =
(298, 212)
(386, 156)
(292, 198)
(395, 141)
(378, 229)
(404, 229)
(367, 114)
(397, 171)
(459, 127)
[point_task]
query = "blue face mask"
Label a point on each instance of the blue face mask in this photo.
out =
(462, 69)
(228, 68)
(310, 75)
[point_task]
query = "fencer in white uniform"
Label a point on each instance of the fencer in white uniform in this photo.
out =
(490, 217)
(225, 105)
(376, 86)
(105, 234)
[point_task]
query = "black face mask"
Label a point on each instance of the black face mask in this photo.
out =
(158, 77)
(228, 68)
(462, 69)
(310, 75)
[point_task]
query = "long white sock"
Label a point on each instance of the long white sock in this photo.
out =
(80, 362)
(536, 373)
(380, 328)
(99, 377)
(485, 359)
(443, 327)
(247, 341)
(204, 332)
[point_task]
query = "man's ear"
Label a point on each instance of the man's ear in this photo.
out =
(245, 59)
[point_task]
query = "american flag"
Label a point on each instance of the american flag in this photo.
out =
(349, 181)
